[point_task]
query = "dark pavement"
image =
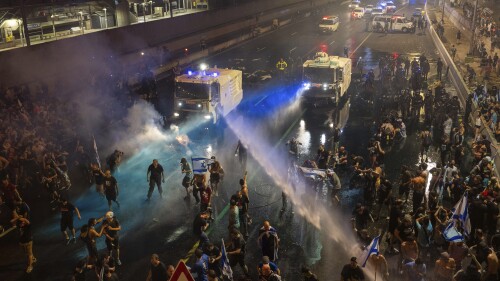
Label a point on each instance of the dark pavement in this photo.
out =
(315, 234)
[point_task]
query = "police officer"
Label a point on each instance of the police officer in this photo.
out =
(281, 65)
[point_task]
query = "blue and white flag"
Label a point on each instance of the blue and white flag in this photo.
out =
(226, 267)
(200, 165)
(459, 224)
(372, 249)
(97, 159)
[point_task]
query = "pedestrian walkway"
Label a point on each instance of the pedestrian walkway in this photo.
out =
(462, 46)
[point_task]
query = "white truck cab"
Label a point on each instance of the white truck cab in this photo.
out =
(326, 77)
(210, 93)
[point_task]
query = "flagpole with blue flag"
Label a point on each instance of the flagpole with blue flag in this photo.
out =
(200, 165)
(96, 153)
(226, 267)
(372, 249)
(454, 232)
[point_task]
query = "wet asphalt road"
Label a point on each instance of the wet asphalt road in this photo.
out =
(274, 116)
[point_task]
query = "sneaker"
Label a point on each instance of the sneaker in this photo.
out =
(118, 262)
(29, 269)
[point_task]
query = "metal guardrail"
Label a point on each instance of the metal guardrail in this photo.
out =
(463, 90)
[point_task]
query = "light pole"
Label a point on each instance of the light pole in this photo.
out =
(144, 10)
(442, 12)
(473, 29)
(20, 32)
(81, 21)
(105, 18)
(53, 27)
(151, 8)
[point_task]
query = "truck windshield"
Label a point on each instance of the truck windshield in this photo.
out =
(192, 91)
(318, 75)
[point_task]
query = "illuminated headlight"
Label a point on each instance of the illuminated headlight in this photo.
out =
(306, 86)
(331, 125)
(208, 116)
(325, 86)
(176, 114)
(199, 105)
(180, 104)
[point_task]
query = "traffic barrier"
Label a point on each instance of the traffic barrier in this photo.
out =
(463, 91)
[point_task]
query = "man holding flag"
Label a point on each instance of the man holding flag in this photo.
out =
(226, 266)
(351, 271)
(459, 225)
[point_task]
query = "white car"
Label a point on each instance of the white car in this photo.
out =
(354, 4)
(358, 13)
(368, 9)
(390, 7)
(378, 12)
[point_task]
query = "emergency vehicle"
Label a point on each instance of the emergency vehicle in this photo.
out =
(326, 77)
(210, 93)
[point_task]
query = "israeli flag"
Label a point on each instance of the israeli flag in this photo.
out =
(459, 224)
(226, 267)
(200, 165)
(372, 249)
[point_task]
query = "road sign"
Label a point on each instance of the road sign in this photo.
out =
(181, 273)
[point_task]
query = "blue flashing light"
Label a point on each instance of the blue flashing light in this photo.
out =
(190, 73)
(215, 74)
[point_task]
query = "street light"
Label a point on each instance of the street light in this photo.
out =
(81, 21)
(20, 32)
(105, 18)
(144, 10)
(53, 26)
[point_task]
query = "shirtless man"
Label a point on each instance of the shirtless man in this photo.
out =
(492, 268)
(379, 264)
(445, 267)
(409, 251)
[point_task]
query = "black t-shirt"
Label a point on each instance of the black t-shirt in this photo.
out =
(67, 211)
(198, 224)
(155, 171)
(25, 234)
(98, 176)
(110, 185)
(114, 224)
(238, 243)
(215, 252)
(159, 272)
(350, 273)
(405, 231)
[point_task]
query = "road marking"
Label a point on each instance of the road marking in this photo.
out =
(263, 98)
(345, 2)
(331, 43)
(226, 208)
(360, 44)
(294, 33)
(260, 49)
(293, 49)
